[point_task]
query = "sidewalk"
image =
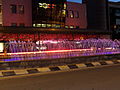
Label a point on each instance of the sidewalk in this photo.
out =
(6, 73)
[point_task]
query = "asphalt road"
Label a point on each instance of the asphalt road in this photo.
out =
(106, 78)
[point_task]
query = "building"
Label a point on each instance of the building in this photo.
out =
(51, 21)
(114, 13)
(53, 16)
(45, 14)
(97, 14)
(15, 13)
(58, 14)
(76, 15)
(48, 13)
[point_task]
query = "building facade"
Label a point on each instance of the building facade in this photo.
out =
(76, 15)
(58, 14)
(15, 13)
(1, 13)
(114, 13)
(97, 14)
(48, 13)
(45, 14)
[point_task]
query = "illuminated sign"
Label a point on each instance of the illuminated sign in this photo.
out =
(1, 46)
(45, 5)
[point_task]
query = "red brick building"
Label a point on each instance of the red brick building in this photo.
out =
(19, 13)
(76, 15)
(16, 13)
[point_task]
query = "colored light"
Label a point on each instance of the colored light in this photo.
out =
(52, 51)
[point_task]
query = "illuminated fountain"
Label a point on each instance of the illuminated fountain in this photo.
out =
(48, 45)
(46, 49)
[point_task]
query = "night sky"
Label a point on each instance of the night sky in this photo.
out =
(81, 0)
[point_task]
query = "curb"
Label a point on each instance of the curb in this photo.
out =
(7, 73)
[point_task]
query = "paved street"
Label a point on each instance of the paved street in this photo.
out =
(106, 78)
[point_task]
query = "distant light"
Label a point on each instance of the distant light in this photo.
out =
(53, 29)
(1, 47)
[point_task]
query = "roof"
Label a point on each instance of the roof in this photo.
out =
(114, 4)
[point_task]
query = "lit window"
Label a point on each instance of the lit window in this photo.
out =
(115, 26)
(65, 6)
(53, 25)
(57, 25)
(66, 27)
(21, 9)
(13, 8)
(63, 13)
(71, 14)
(39, 25)
(44, 25)
(45, 5)
(49, 25)
(34, 25)
(71, 26)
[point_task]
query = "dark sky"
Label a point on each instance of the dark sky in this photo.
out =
(81, 0)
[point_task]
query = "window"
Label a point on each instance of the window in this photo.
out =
(44, 25)
(49, 25)
(76, 14)
(66, 26)
(53, 25)
(71, 14)
(77, 26)
(34, 25)
(117, 21)
(117, 13)
(57, 25)
(66, 13)
(71, 26)
(65, 6)
(0, 8)
(14, 24)
(39, 25)
(21, 9)
(13, 8)
(63, 13)
(21, 24)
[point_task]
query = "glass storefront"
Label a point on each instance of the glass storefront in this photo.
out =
(47, 13)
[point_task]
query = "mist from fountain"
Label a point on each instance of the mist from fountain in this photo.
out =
(29, 46)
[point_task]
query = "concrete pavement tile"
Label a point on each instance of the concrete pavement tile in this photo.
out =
(43, 69)
(21, 72)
